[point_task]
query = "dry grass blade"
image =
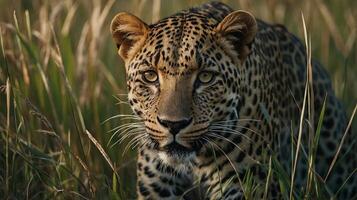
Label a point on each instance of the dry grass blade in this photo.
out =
(139, 8)
(341, 143)
(331, 24)
(7, 132)
(301, 117)
(298, 143)
(156, 10)
(23, 43)
(8, 98)
(102, 151)
(28, 24)
(56, 54)
(268, 180)
(345, 182)
(69, 18)
(85, 167)
(311, 103)
(351, 39)
(229, 160)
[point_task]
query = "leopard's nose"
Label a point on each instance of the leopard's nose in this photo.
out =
(174, 126)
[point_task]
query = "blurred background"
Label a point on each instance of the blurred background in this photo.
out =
(62, 84)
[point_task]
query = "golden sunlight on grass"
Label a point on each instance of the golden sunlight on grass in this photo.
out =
(61, 83)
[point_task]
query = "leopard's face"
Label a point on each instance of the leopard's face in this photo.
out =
(183, 75)
(179, 98)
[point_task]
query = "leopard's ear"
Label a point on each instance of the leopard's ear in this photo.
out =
(237, 31)
(129, 34)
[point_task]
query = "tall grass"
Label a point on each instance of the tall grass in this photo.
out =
(60, 79)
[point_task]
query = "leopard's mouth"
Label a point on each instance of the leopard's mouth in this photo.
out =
(174, 148)
(181, 145)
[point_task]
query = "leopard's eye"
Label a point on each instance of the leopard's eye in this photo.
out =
(150, 76)
(206, 77)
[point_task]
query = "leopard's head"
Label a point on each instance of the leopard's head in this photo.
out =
(183, 73)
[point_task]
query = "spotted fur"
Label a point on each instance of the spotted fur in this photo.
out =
(202, 138)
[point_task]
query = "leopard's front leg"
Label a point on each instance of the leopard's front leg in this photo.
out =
(218, 187)
(230, 185)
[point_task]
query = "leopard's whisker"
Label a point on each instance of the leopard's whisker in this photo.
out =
(137, 138)
(226, 128)
(144, 141)
(123, 102)
(123, 126)
(137, 143)
(122, 139)
(130, 124)
(230, 141)
(134, 141)
(131, 141)
(238, 120)
(230, 131)
(118, 97)
(120, 101)
(122, 117)
(130, 133)
(217, 168)
(229, 126)
(125, 130)
(230, 161)
(234, 130)
(122, 94)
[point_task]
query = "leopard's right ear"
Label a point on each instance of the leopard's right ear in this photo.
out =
(129, 34)
(236, 32)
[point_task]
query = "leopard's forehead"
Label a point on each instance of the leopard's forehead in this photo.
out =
(180, 43)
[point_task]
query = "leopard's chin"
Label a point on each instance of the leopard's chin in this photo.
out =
(178, 161)
(176, 154)
(176, 149)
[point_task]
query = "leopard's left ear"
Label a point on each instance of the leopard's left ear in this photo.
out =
(237, 30)
(129, 33)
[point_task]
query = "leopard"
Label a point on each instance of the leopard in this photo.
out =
(221, 97)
